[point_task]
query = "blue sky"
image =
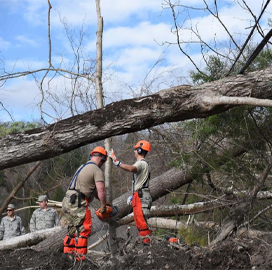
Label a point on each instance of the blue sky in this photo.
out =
(134, 31)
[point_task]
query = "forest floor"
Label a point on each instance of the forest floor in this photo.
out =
(233, 253)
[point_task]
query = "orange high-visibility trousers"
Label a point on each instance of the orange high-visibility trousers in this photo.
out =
(69, 244)
(139, 219)
(78, 244)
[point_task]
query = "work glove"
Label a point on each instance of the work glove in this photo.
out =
(107, 212)
(103, 209)
(116, 162)
(129, 200)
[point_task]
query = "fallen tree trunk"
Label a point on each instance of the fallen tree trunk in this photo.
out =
(53, 238)
(126, 116)
(254, 234)
(29, 239)
(172, 224)
(52, 241)
(177, 210)
(158, 187)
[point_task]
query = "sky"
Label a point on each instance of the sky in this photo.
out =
(138, 46)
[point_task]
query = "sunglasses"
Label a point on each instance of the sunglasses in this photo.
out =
(9, 210)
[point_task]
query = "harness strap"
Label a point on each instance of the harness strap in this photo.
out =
(73, 182)
(74, 179)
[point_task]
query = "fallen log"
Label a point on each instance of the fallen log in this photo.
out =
(172, 224)
(28, 239)
(177, 210)
(126, 116)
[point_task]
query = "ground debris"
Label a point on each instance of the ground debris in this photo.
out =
(233, 253)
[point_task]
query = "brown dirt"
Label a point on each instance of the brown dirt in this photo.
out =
(234, 253)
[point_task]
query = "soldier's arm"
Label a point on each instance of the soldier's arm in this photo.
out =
(2, 229)
(101, 193)
(57, 221)
(129, 168)
(32, 224)
(22, 228)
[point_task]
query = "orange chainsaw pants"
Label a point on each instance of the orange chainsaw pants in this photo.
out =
(139, 218)
(77, 244)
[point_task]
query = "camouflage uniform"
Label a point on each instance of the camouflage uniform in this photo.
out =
(11, 227)
(41, 219)
(75, 208)
(74, 215)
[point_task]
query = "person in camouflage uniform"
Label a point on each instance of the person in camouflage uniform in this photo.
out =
(11, 225)
(44, 217)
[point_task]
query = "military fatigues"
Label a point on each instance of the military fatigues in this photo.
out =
(11, 227)
(41, 219)
(142, 200)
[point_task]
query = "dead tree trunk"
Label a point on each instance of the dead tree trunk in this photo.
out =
(175, 225)
(159, 186)
(52, 242)
(29, 239)
(126, 116)
(178, 210)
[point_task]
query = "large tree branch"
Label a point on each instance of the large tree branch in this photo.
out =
(126, 116)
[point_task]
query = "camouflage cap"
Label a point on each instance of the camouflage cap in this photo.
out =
(11, 206)
(42, 198)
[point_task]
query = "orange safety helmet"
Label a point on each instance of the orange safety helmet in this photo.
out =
(99, 149)
(144, 145)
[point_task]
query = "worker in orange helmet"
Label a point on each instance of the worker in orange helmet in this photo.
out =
(141, 199)
(87, 183)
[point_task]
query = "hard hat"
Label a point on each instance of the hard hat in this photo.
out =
(99, 149)
(42, 198)
(11, 206)
(144, 145)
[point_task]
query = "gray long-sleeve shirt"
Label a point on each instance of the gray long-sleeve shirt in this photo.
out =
(41, 219)
(11, 227)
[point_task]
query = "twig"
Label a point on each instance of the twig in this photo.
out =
(103, 238)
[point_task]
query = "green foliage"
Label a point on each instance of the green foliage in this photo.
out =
(175, 199)
(263, 60)
(16, 127)
(194, 235)
(58, 195)
(162, 232)
(214, 70)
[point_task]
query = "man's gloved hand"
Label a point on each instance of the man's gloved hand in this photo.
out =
(103, 209)
(105, 213)
(129, 200)
(114, 159)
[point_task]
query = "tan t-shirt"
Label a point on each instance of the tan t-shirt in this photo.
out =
(143, 170)
(87, 178)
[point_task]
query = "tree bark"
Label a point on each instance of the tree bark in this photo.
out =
(177, 210)
(172, 224)
(159, 186)
(29, 239)
(126, 116)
